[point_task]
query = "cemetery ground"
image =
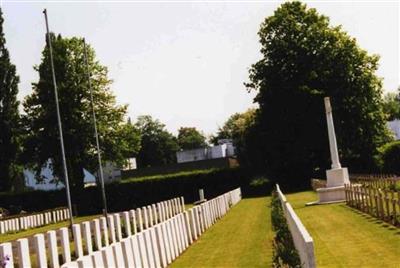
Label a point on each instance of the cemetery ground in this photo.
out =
(343, 237)
(242, 238)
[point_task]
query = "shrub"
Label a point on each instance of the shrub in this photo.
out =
(134, 193)
(285, 253)
(390, 158)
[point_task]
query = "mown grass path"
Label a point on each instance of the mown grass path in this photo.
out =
(242, 238)
(345, 237)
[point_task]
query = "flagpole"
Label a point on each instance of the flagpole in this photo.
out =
(59, 120)
(95, 132)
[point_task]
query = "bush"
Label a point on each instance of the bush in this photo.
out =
(390, 158)
(285, 253)
(134, 193)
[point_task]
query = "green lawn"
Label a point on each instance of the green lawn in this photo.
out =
(344, 237)
(33, 231)
(242, 238)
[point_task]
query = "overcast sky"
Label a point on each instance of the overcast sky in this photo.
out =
(184, 63)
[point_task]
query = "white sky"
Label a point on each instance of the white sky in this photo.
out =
(184, 63)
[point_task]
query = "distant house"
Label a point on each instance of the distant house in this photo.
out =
(224, 149)
(49, 182)
(394, 126)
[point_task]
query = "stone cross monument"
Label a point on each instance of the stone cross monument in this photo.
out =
(337, 176)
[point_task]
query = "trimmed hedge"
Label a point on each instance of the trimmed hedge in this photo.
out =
(285, 253)
(135, 193)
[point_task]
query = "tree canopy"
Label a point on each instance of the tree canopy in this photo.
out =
(304, 59)
(158, 146)
(190, 138)
(391, 105)
(9, 117)
(117, 139)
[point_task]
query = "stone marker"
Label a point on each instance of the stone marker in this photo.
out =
(97, 260)
(76, 230)
(85, 262)
(127, 223)
(64, 239)
(40, 249)
(97, 233)
(6, 253)
(104, 228)
(110, 220)
(118, 256)
(142, 250)
(156, 252)
(87, 236)
(127, 252)
(136, 251)
(117, 222)
(108, 257)
(52, 247)
(24, 259)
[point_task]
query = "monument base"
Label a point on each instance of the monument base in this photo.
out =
(329, 195)
(337, 177)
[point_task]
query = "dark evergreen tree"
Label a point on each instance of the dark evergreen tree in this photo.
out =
(9, 117)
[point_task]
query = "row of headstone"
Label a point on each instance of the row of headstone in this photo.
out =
(302, 240)
(87, 236)
(21, 223)
(159, 245)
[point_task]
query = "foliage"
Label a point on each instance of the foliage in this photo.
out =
(285, 254)
(391, 105)
(136, 193)
(304, 60)
(117, 140)
(158, 146)
(10, 133)
(190, 138)
(390, 158)
(236, 128)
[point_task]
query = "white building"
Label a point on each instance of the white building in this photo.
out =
(222, 150)
(50, 182)
(394, 126)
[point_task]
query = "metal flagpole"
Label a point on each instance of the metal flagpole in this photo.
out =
(95, 132)
(59, 121)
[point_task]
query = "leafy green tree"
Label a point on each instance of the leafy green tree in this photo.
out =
(391, 105)
(117, 139)
(190, 138)
(304, 60)
(158, 146)
(9, 117)
(235, 127)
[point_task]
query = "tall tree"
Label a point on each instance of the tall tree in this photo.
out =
(158, 146)
(190, 138)
(9, 116)
(304, 60)
(40, 121)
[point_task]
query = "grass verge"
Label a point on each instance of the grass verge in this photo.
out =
(242, 238)
(344, 237)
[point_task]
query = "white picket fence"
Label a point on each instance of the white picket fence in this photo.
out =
(25, 222)
(301, 238)
(111, 237)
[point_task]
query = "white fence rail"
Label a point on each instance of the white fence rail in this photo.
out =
(301, 238)
(150, 236)
(24, 222)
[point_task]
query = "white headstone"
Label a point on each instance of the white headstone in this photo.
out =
(40, 249)
(65, 248)
(53, 249)
(24, 259)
